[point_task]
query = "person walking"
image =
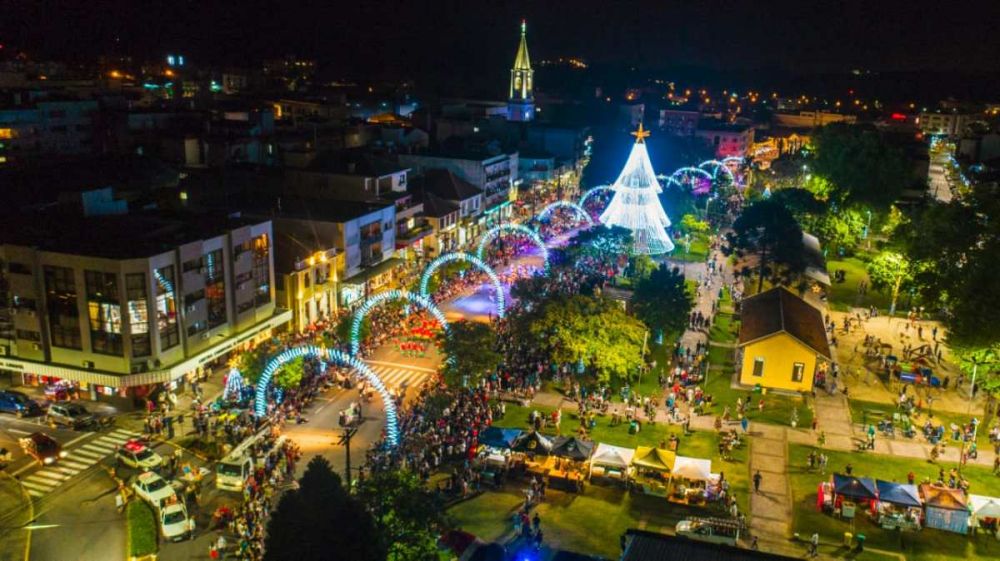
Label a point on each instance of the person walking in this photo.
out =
(756, 482)
(814, 545)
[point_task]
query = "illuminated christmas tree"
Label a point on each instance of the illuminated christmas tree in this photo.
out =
(636, 205)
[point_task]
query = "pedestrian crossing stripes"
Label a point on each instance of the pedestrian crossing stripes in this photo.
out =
(48, 478)
(395, 378)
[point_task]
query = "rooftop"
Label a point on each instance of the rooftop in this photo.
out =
(779, 311)
(445, 184)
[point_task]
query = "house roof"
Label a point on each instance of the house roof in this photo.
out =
(446, 185)
(779, 311)
(436, 207)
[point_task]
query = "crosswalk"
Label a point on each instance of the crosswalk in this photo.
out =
(395, 377)
(48, 478)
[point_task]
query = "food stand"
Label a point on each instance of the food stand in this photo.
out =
(566, 462)
(985, 514)
(611, 462)
(527, 449)
(495, 444)
(849, 491)
(899, 505)
(945, 508)
(653, 467)
(689, 480)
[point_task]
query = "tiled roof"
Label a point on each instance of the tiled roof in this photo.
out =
(779, 311)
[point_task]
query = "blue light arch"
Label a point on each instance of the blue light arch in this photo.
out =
(496, 231)
(434, 265)
(544, 215)
(383, 297)
(719, 166)
(591, 192)
(341, 358)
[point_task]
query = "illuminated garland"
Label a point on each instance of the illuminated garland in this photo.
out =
(590, 193)
(234, 385)
(497, 231)
(381, 298)
(719, 166)
(339, 357)
(434, 265)
(566, 204)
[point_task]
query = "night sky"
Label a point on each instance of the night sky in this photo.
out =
(382, 38)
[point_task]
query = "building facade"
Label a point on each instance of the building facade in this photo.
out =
(521, 101)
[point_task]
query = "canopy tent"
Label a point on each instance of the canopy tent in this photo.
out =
(945, 508)
(898, 493)
(694, 469)
(856, 488)
(656, 459)
(612, 456)
(497, 437)
(572, 448)
(532, 443)
(984, 507)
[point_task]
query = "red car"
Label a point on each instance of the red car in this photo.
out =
(43, 448)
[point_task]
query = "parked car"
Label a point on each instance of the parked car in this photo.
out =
(153, 489)
(709, 530)
(43, 448)
(136, 454)
(175, 524)
(71, 415)
(19, 404)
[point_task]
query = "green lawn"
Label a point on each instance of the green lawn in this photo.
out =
(699, 444)
(876, 411)
(844, 295)
(725, 328)
(926, 545)
(697, 253)
(142, 529)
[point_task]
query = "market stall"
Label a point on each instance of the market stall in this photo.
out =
(850, 491)
(611, 462)
(945, 508)
(530, 450)
(566, 462)
(494, 446)
(985, 513)
(689, 480)
(899, 505)
(653, 467)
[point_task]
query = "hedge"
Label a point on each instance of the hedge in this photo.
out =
(142, 534)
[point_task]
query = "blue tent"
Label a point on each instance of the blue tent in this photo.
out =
(496, 437)
(857, 488)
(898, 493)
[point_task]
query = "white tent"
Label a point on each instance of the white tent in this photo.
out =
(694, 469)
(608, 458)
(984, 507)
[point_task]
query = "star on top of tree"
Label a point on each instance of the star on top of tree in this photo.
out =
(640, 134)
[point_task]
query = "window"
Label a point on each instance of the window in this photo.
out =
(262, 270)
(758, 366)
(22, 303)
(196, 328)
(26, 335)
(192, 265)
(798, 370)
(104, 311)
(215, 288)
(64, 316)
(19, 268)
(191, 299)
(138, 313)
(166, 308)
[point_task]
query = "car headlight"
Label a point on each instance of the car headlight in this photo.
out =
(63, 454)
(48, 460)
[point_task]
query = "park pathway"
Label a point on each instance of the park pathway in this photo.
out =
(771, 508)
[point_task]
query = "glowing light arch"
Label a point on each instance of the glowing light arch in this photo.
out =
(689, 169)
(737, 159)
(342, 358)
(566, 204)
(434, 265)
(719, 166)
(590, 193)
(496, 231)
(383, 297)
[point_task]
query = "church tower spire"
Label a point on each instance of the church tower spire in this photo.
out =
(521, 102)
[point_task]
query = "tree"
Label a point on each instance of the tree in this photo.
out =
(251, 363)
(860, 165)
(690, 224)
(768, 231)
(594, 330)
(471, 350)
(840, 231)
(890, 269)
(344, 328)
(290, 374)
(662, 300)
(320, 520)
(407, 516)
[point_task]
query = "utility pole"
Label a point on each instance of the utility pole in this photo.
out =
(345, 441)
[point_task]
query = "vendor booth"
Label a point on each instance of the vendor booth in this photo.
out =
(530, 449)
(899, 505)
(495, 446)
(849, 492)
(689, 480)
(653, 467)
(945, 508)
(985, 513)
(567, 461)
(611, 462)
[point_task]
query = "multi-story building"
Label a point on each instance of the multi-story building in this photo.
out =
(726, 139)
(306, 282)
(123, 305)
(443, 218)
(679, 122)
(493, 174)
(810, 119)
(944, 123)
(32, 127)
(466, 197)
(348, 176)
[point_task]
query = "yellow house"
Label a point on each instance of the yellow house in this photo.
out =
(782, 341)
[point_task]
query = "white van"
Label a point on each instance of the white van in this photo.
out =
(232, 471)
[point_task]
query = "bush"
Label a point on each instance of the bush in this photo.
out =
(142, 530)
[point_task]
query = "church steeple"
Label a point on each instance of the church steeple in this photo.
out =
(520, 104)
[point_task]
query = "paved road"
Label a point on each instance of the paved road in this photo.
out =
(939, 186)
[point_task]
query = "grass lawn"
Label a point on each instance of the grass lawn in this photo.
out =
(844, 295)
(876, 411)
(725, 328)
(699, 444)
(142, 530)
(926, 545)
(698, 251)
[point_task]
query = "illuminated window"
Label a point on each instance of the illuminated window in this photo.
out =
(6, 134)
